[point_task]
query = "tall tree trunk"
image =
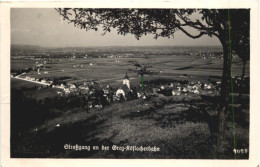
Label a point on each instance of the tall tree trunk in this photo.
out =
(225, 87)
(224, 94)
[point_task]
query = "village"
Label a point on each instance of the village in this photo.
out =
(46, 72)
(99, 96)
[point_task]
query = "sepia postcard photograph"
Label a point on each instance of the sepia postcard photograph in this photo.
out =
(131, 82)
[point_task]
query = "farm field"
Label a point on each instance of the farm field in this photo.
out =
(108, 71)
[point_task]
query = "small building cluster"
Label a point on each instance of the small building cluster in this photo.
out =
(35, 80)
(176, 89)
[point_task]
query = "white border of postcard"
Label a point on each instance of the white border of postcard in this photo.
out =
(32, 162)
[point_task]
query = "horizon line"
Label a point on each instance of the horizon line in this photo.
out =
(118, 46)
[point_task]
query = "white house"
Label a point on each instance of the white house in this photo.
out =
(67, 91)
(106, 91)
(173, 93)
(184, 90)
(71, 86)
(122, 90)
(179, 88)
(196, 91)
(62, 86)
(83, 87)
(59, 93)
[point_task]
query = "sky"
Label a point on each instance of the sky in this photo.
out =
(45, 27)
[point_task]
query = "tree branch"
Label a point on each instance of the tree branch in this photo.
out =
(207, 21)
(108, 27)
(200, 26)
(197, 25)
(192, 36)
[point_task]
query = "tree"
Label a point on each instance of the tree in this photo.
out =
(224, 24)
(240, 43)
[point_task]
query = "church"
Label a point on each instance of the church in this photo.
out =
(125, 88)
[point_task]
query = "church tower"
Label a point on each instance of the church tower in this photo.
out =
(126, 81)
